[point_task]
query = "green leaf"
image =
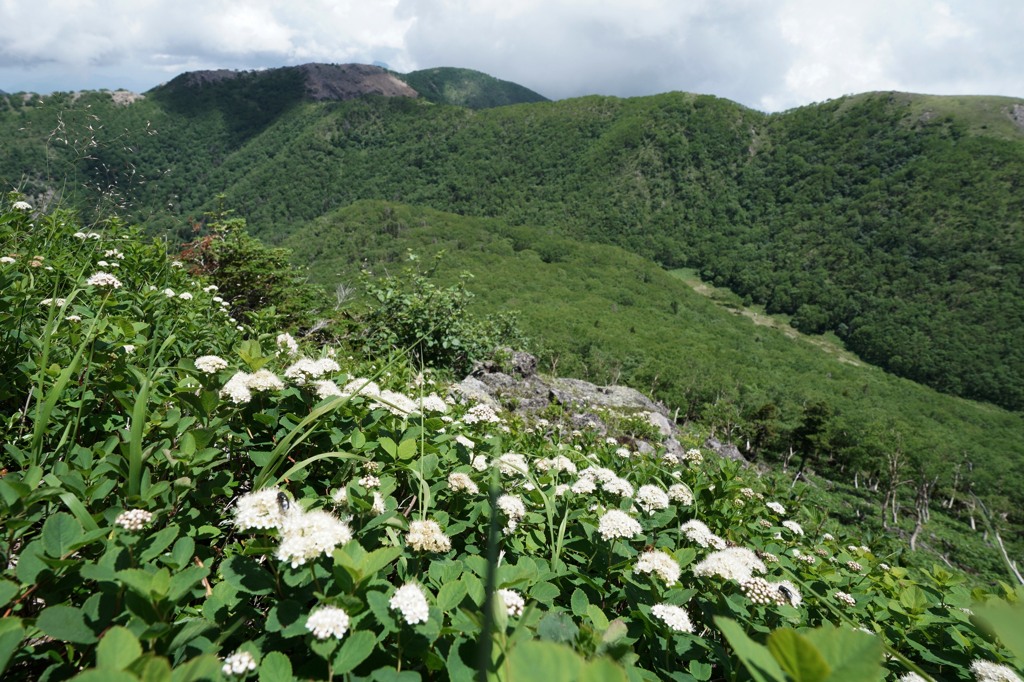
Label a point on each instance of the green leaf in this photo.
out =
(388, 446)
(451, 595)
(557, 627)
(247, 576)
(104, 676)
(800, 659)
(118, 648)
(204, 667)
(8, 589)
(756, 658)
(579, 602)
(1005, 621)
(11, 634)
(65, 623)
(154, 545)
(407, 449)
(355, 649)
(287, 617)
(276, 667)
(852, 655)
(60, 532)
(183, 581)
(914, 598)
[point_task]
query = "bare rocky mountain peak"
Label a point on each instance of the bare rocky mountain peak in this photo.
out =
(322, 81)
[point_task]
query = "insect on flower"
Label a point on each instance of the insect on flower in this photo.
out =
(786, 593)
(283, 503)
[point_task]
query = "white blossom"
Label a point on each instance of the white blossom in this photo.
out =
(410, 600)
(674, 617)
(307, 535)
(616, 523)
(659, 563)
(731, 563)
(239, 663)
(328, 621)
(514, 602)
(133, 520)
(651, 498)
(458, 481)
(698, 532)
(103, 279)
(986, 671)
(427, 536)
(210, 364)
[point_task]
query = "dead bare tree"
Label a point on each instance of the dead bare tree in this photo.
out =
(925, 487)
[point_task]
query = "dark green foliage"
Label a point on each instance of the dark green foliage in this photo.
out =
(407, 312)
(467, 88)
(259, 283)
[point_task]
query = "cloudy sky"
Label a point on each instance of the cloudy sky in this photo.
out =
(767, 54)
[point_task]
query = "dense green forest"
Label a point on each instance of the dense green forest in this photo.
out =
(604, 314)
(891, 220)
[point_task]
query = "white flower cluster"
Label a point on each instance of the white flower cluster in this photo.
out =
(239, 388)
(259, 509)
(7, 260)
(776, 507)
(305, 535)
(410, 600)
(328, 621)
(698, 532)
(844, 597)
(911, 677)
(659, 563)
(305, 370)
(793, 526)
(21, 206)
(210, 364)
(481, 412)
(986, 671)
(681, 493)
(513, 509)
(103, 279)
(731, 563)
(514, 602)
(513, 464)
(854, 566)
(427, 536)
(396, 403)
(651, 498)
(616, 523)
(559, 463)
(433, 403)
(286, 345)
(133, 520)
(760, 591)
(693, 455)
(238, 663)
(469, 445)
(674, 617)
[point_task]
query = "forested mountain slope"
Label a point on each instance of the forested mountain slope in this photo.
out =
(893, 220)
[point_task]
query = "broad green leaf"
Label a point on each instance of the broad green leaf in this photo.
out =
(800, 659)
(183, 581)
(914, 598)
(155, 544)
(557, 627)
(852, 655)
(8, 589)
(388, 446)
(1006, 622)
(407, 449)
(597, 617)
(579, 602)
(450, 595)
(65, 623)
(200, 668)
(60, 532)
(117, 649)
(756, 658)
(287, 617)
(355, 648)
(247, 576)
(104, 676)
(11, 634)
(275, 667)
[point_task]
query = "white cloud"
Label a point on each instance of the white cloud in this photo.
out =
(769, 55)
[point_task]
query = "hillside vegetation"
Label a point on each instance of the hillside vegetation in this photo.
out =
(192, 495)
(891, 220)
(601, 313)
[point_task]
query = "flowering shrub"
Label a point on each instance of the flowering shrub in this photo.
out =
(222, 503)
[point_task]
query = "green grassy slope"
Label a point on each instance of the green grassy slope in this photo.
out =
(608, 315)
(467, 88)
(888, 219)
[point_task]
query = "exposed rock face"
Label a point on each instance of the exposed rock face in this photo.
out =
(322, 81)
(347, 81)
(514, 384)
